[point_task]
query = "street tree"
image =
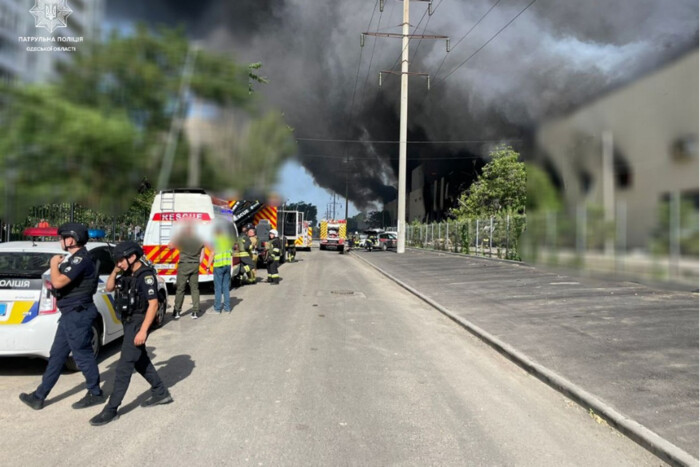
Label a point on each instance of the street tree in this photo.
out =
(499, 189)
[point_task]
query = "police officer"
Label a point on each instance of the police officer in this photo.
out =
(242, 250)
(273, 247)
(74, 279)
(137, 302)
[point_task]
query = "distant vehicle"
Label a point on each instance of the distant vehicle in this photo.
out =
(372, 240)
(28, 312)
(387, 240)
(333, 235)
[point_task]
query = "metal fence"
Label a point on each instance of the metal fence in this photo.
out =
(117, 228)
(496, 237)
(583, 240)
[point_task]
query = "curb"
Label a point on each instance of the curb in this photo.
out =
(643, 436)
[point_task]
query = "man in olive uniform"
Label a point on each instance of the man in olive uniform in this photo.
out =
(273, 248)
(191, 251)
(137, 303)
(242, 250)
(74, 279)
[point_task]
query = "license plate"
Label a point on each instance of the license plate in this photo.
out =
(165, 266)
(3, 309)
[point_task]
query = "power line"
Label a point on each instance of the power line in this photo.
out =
(328, 140)
(465, 36)
(487, 42)
(424, 29)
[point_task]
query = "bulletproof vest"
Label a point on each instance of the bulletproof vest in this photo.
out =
(128, 301)
(82, 288)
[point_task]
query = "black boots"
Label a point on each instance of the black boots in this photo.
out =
(32, 400)
(89, 400)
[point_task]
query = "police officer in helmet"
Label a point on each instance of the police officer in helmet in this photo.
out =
(137, 302)
(74, 280)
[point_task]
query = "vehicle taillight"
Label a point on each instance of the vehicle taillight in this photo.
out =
(47, 302)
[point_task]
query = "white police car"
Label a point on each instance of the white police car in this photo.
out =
(28, 313)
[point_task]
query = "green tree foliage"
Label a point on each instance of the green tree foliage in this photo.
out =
(378, 219)
(52, 150)
(102, 127)
(142, 75)
(541, 193)
(310, 211)
(499, 189)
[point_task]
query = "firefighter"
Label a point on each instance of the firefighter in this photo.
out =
(137, 303)
(273, 248)
(291, 252)
(242, 251)
(253, 252)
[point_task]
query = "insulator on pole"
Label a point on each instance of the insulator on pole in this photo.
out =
(428, 82)
(381, 5)
(430, 8)
(362, 39)
(447, 45)
(380, 79)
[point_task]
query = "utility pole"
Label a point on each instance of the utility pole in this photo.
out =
(177, 119)
(403, 126)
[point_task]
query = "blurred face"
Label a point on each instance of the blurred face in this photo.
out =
(123, 263)
(251, 232)
(68, 242)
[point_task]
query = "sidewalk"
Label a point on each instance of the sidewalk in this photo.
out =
(631, 346)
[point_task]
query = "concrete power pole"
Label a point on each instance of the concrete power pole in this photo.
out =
(403, 126)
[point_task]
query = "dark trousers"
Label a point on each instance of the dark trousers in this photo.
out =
(273, 269)
(187, 272)
(133, 358)
(74, 334)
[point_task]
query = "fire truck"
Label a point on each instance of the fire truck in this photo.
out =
(333, 235)
(296, 230)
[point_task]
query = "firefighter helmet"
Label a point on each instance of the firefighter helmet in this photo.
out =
(273, 232)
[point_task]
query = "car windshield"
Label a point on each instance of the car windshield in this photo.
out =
(21, 264)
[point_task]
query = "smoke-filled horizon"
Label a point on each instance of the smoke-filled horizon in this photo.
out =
(554, 57)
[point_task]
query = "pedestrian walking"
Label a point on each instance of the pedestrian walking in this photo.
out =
(191, 251)
(273, 248)
(137, 303)
(223, 254)
(74, 280)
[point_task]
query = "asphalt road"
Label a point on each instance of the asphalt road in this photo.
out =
(335, 366)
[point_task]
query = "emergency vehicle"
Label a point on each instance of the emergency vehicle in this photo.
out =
(28, 312)
(264, 218)
(296, 230)
(171, 210)
(333, 235)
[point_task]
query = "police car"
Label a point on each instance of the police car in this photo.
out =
(28, 313)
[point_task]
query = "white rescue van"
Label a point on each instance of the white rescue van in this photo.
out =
(171, 210)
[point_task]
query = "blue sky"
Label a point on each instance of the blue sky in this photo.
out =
(296, 184)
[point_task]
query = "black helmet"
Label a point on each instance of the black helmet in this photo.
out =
(126, 249)
(75, 230)
(248, 226)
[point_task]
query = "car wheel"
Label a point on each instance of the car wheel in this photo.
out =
(95, 343)
(384, 246)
